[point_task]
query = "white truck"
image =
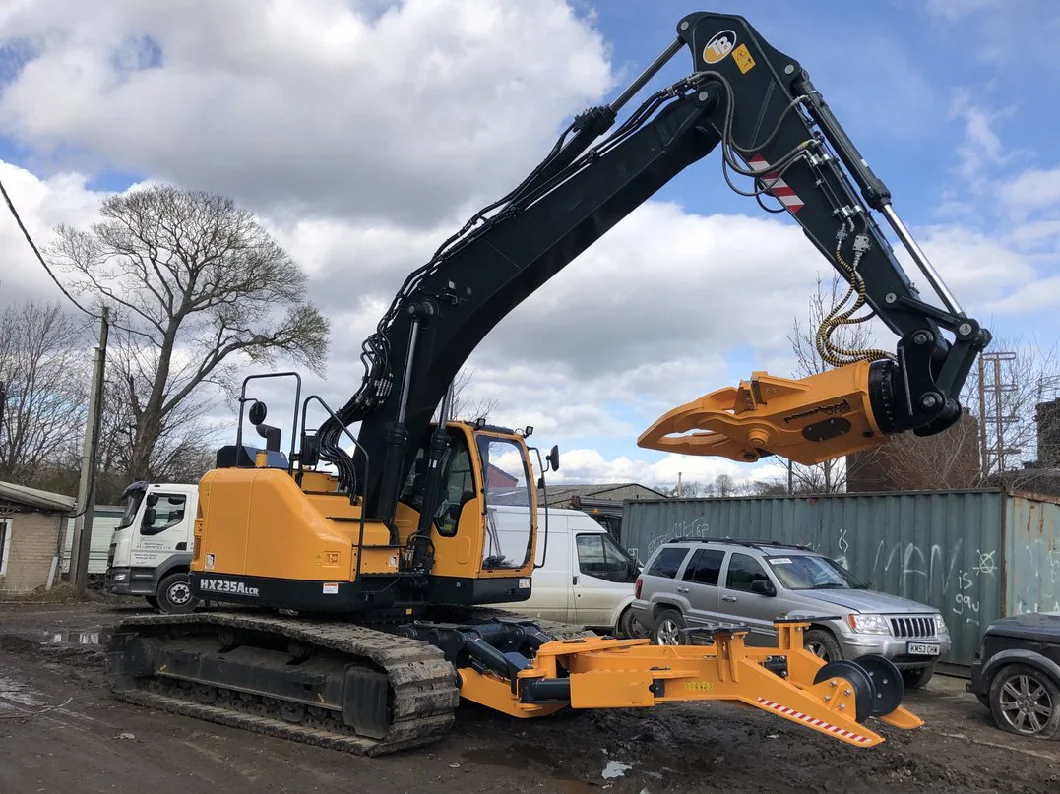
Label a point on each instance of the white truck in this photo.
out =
(586, 579)
(150, 551)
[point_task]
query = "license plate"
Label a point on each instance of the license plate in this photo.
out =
(923, 648)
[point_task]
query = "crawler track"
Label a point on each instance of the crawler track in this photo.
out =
(328, 683)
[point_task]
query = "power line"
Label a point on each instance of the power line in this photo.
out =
(48, 270)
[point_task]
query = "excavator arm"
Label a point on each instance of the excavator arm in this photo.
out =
(775, 132)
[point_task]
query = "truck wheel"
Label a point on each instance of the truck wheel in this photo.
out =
(629, 628)
(917, 678)
(174, 594)
(821, 643)
(1026, 701)
(667, 625)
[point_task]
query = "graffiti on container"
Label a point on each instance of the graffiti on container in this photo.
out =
(919, 573)
(696, 528)
(986, 562)
(1038, 592)
(966, 606)
(843, 546)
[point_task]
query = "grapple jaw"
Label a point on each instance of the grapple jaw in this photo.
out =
(808, 420)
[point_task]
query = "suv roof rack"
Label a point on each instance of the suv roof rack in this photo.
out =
(751, 543)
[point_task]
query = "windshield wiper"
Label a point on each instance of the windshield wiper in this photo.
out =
(830, 586)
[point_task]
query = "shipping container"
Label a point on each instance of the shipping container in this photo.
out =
(976, 555)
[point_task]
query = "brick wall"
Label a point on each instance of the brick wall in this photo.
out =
(30, 550)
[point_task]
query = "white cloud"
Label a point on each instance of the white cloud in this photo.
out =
(1034, 189)
(42, 204)
(320, 105)
(589, 466)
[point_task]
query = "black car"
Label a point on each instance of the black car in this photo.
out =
(1017, 674)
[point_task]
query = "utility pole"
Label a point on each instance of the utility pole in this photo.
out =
(86, 495)
(3, 403)
(790, 478)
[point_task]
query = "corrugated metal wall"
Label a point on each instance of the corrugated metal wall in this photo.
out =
(949, 549)
(1032, 556)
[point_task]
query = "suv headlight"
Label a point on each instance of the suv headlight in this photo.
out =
(940, 625)
(869, 624)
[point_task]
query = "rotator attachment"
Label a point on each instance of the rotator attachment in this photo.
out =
(808, 420)
(517, 670)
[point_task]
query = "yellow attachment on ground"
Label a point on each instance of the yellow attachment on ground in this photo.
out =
(607, 673)
(808, 420)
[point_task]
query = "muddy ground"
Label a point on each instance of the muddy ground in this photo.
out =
(87, 742)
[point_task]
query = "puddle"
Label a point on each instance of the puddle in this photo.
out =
(75, 637)
(520, 757)
(17, 692)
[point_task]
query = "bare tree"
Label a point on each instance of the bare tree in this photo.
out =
(207, 287)
(830, 476)
(724, 485)
(686, 489)
(468, 407)
(43, 367)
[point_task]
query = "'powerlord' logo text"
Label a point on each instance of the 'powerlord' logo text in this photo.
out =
(828, 410)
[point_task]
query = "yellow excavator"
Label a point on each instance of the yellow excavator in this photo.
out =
(356, 569)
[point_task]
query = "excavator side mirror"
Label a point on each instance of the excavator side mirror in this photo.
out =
(257, 413)
(553, 458)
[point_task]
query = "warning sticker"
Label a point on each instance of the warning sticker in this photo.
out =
(780, 560)
(744, 61)
(331, 588)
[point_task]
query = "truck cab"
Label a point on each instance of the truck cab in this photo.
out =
(151, 548)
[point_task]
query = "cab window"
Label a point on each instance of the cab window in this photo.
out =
(167, 511)
(601, 558)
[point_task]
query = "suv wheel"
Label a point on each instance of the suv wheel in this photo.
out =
(667, 625)
(917, 678)
(1026, 701)
(629, 628)
(821, 643)
(175, 596)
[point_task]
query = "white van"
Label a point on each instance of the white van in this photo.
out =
(150, 551)
(587, 578)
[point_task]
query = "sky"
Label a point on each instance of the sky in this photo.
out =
(363, 133)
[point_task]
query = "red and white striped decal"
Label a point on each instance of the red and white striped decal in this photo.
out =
(827, 726)
(779, 188)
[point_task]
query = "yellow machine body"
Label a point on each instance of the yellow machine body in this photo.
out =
(280, 536)
(808, 420)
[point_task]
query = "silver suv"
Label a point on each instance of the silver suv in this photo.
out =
(703, 582)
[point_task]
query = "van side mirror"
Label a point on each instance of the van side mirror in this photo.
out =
(149, 517)
(763, 587)
(553, 458)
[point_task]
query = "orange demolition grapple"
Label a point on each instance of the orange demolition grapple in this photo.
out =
(809, 420)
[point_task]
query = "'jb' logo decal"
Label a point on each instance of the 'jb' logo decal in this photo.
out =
(719, 46)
